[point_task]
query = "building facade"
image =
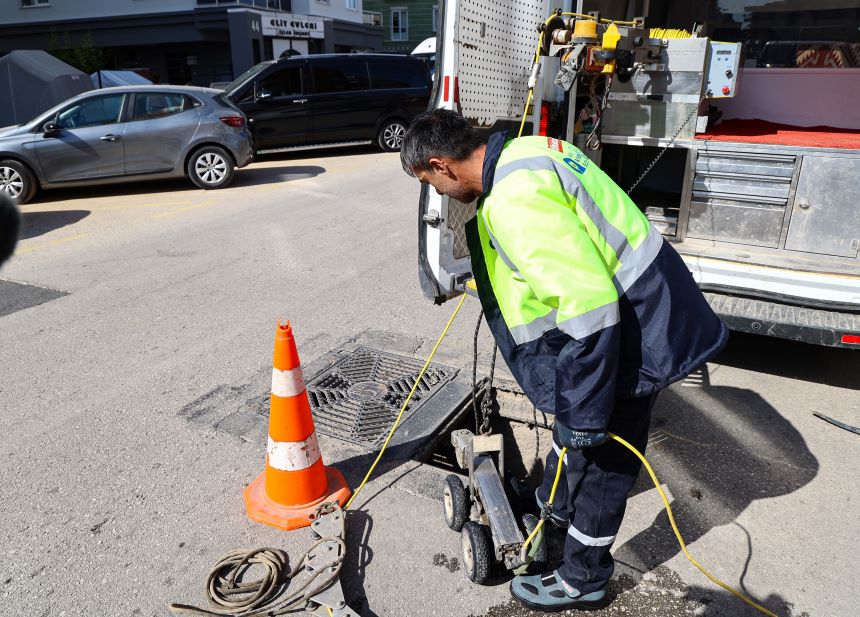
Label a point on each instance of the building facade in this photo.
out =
(189, 41)
(406, 23)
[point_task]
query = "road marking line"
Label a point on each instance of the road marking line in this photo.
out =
(52, 243)
(181, 210)
(147, 205)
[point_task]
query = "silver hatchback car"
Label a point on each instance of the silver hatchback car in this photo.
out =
(127, 134)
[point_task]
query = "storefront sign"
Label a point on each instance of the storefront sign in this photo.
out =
(287, 25)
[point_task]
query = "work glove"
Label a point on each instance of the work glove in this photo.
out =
(577, 440)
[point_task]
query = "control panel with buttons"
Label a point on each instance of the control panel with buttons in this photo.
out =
(723, 65)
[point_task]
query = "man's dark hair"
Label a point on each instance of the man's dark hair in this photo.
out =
(437, 133)
(10, 222)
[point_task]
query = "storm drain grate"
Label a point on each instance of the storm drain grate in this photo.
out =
(358, 398)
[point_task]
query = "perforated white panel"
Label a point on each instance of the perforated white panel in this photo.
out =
(493, 69)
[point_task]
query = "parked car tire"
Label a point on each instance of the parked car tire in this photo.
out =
(210, 167)
(390, 136)
(17, 181)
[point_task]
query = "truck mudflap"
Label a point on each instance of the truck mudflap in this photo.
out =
(816, 326)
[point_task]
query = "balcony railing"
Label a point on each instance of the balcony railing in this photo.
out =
(280, 5)
(371, 18)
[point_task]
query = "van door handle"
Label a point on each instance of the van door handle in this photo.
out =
(110, 137)
(300, 100)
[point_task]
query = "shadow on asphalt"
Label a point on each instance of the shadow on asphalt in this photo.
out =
(248, 176)
(719, 448)
(668, 597)
(312, 153)
(35, 224)
(765, 354)
(359, 524)
(358, 531)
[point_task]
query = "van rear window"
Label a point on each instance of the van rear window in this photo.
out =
(334, 76)
(386, 74)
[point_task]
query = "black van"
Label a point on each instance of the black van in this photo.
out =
(331, 98)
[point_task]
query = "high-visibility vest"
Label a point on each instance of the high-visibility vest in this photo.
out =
(564, 260)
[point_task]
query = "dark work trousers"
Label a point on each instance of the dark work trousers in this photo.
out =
(594, 496)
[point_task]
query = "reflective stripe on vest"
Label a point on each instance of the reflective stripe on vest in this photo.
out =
(634, 261)
(626, 265)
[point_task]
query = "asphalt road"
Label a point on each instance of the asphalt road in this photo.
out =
(135, 319)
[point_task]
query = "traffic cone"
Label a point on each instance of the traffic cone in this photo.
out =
(295, 480)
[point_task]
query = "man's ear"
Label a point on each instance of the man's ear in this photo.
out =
(440, 166)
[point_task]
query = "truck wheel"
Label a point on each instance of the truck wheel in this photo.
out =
(390, 137)
(539, 560)
(210, 167)
(455, 503)
(17, 182)
(478, 556)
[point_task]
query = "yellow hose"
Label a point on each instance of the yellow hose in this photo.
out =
(668, 33)
(540, 44)
(681, 542)
(406, 402)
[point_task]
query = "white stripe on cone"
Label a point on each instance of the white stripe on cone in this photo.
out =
(288, 383)
(293, 455)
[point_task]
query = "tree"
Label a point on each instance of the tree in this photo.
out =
(84, 56)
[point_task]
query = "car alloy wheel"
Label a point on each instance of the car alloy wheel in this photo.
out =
(391, 136)
(11, 182)
(211, 168)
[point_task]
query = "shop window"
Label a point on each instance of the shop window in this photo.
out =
(399, 24)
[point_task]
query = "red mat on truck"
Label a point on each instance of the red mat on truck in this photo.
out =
(761, 132)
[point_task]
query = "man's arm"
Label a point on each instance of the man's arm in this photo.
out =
(548, 244)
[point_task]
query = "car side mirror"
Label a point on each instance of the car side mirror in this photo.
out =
(262, 95)
(51, 128)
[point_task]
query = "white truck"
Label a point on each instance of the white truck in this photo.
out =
(762, 204)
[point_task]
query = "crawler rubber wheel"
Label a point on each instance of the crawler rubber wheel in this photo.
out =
(477, 552)
(17, 182)
(455, 503)
(539, 561)
(390, 137)
(210, 168)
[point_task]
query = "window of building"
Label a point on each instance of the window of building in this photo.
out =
(29, 3)
(352, 5)
(435, 17)
(399, 24)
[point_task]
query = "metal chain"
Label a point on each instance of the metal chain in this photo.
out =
(475, 374)
(487, 401)
(482, 417)
(668, 145)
